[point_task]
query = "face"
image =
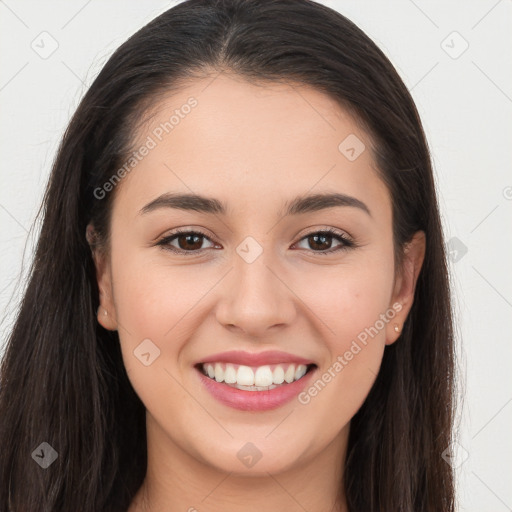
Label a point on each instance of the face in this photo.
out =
(261, 283)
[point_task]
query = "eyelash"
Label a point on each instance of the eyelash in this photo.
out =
(346, 243)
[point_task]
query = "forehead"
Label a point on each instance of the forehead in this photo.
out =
(250, 145)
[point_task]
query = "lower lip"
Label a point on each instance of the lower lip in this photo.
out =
(255, 400)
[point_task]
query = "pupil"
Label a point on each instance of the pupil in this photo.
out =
(322, 237)
(188, 237)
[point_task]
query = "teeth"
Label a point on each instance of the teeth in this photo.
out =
(278, 375)
(219, 373)
(254, 388)
(290, 374)
(263, 376)
(300, 371)
(245, 376)
(230, 374)
(254, 379)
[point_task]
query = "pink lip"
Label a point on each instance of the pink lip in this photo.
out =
(253, 359)
(256, 401)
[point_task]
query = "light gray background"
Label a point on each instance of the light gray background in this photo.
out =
(464, 98)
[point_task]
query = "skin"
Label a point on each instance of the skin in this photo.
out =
(253, 147)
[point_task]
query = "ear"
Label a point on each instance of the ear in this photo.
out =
(106, 312)
(405, 285)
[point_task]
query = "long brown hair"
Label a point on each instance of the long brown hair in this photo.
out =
(62, 377)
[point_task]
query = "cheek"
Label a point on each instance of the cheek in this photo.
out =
(156, 302)
(156, 307)
(351, 300)
(355, 311)
(152, 296)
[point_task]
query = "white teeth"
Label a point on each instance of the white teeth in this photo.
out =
(254, 379)
(300, 371)
(230, 374)
(245, 376)
(290, 374)
(254, 388)
(278, 375)
(219, 372)
(263, 376)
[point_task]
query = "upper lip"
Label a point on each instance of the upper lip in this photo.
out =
(255, 359)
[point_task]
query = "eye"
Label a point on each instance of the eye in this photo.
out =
(187, 241)
(322, 240)
(191, 241)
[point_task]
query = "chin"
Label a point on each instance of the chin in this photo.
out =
(256, 457)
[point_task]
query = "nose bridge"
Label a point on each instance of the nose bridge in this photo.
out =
(255, 298)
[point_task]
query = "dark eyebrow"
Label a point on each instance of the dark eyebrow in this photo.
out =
(192, 202)
(316, 202)
(299, 205)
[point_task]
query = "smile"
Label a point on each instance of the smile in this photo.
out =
(254, 381)
(260, 378)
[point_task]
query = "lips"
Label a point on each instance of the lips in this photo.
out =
(255, 359)
(253, 382)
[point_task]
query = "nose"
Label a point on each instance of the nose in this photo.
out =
(256, 298)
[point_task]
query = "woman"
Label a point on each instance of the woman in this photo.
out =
(239, 296)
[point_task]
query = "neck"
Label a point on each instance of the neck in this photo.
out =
(177, 481)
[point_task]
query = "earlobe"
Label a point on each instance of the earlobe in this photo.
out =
(105, 320)
(106, 311)
(405, 284)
